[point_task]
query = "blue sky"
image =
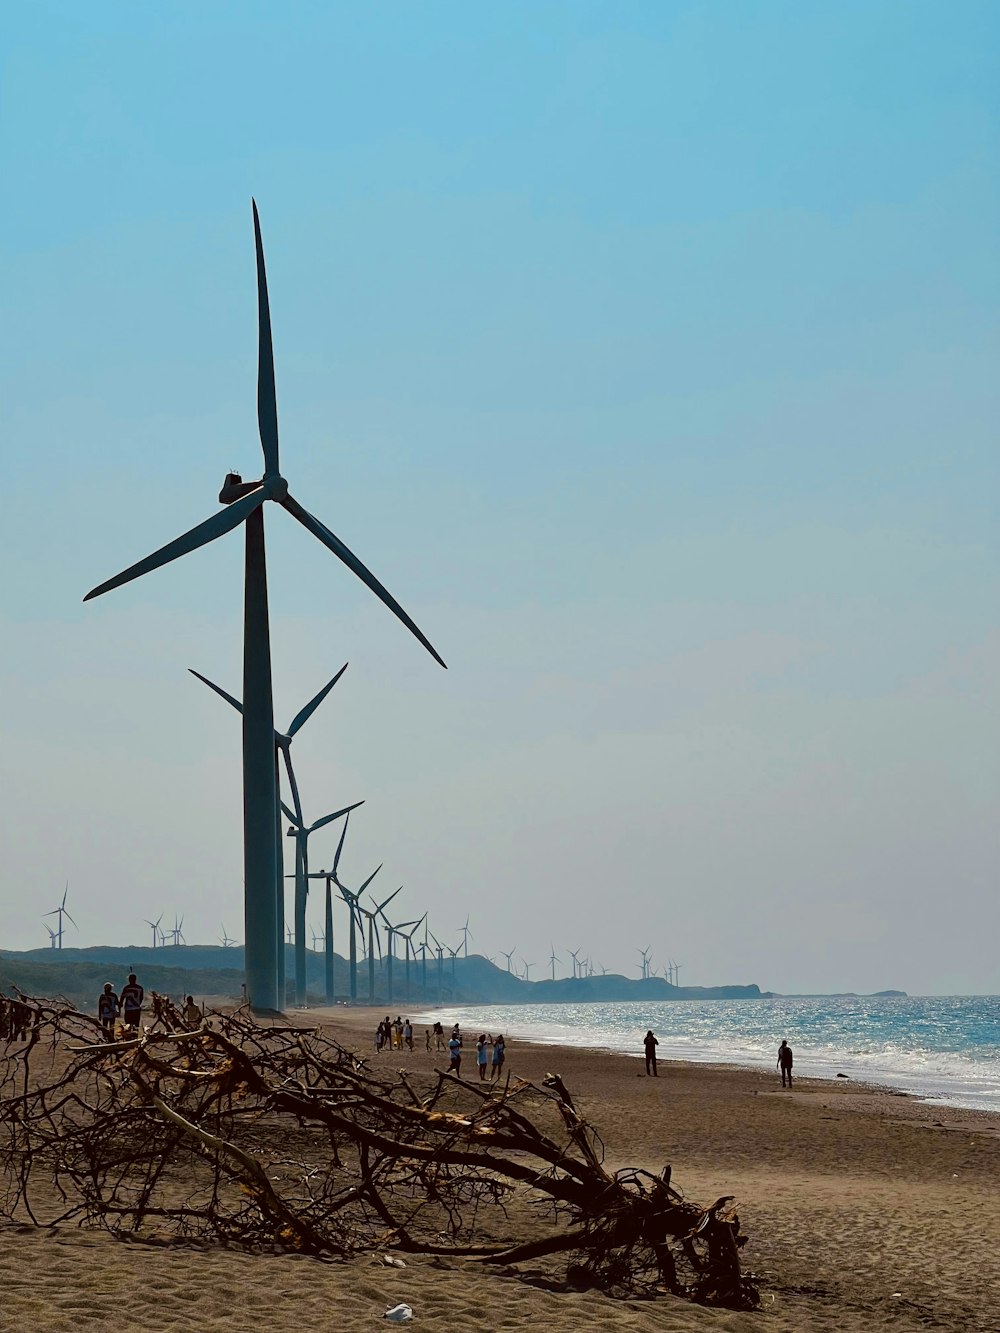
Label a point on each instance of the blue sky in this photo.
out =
(647, 353)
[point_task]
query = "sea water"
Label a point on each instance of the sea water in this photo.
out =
(939, 1048)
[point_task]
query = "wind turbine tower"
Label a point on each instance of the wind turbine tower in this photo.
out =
(244, 504)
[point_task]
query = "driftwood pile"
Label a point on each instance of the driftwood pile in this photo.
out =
(270, 1136)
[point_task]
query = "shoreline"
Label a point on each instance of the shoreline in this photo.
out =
(360, 1021)
(889, 1081)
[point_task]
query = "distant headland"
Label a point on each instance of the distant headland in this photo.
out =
(216, 970)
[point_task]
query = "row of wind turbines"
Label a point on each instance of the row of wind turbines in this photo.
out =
(366, 920)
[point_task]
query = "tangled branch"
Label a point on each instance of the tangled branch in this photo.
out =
(278, 1137)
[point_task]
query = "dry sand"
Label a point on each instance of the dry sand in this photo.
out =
(865, 1211)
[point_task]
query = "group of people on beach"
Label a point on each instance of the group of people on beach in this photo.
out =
(127, 1006)
(490, 1053)
(393, 1034)
(15, 1019)
(397, 1035)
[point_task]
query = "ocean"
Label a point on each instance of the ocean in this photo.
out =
(939, 1048)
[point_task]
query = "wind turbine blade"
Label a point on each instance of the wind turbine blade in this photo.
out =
(217, 526)
(340, 847)
(328, 819)
(392, 895)
(267, 402)
(311, 707)
(333, 543)
(69, 918)
(290, 815)
(218, 689)
(368, 881)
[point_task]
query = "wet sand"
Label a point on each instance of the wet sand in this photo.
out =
(865, 1211)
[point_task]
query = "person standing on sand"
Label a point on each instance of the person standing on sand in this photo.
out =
(107, 1010)
(482, 1055)
(408, 1034)
(785, 1062)
(650, 1044)
(455, 1051)
(498, 1055)
(131, 1000)
(439, 1036)
(427, 1037)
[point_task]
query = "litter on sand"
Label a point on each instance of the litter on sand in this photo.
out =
(399, 1314)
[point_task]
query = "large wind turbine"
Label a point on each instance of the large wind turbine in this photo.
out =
(283, 748)
(60, 912)
(244, 503)
(331, 878)
(392, 932)
(408, 947)
(351, 899)
(156, 927)
(301, 832)
(553, 959)
(375, 938)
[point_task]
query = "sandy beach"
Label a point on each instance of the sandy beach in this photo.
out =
(864, 1209)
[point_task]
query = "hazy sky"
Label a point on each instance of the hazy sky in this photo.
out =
(647, 352)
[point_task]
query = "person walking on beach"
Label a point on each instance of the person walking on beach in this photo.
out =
(482, 1055)
(131, 1000)
(427, 1037)
(498, 1056)
(107, 1010)
(785, 1062)
(439, 1036)
(650, 1044)
(408, 1034)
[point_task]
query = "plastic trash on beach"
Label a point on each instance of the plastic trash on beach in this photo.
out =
(399, 1314)
(392, 1261)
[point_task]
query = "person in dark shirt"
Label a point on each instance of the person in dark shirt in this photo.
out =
(785, 1062)
(131, 1000)
(108, 1008)
(650, 1044)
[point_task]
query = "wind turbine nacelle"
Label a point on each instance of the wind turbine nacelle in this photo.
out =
(234, 488)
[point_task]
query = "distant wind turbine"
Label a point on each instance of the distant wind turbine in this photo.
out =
(553, 959)
(224, 939)
(466, 936)
(575, 955)
(508, 956)
(53, 936)
(60, 912)
(155, 926)
(244, 503)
